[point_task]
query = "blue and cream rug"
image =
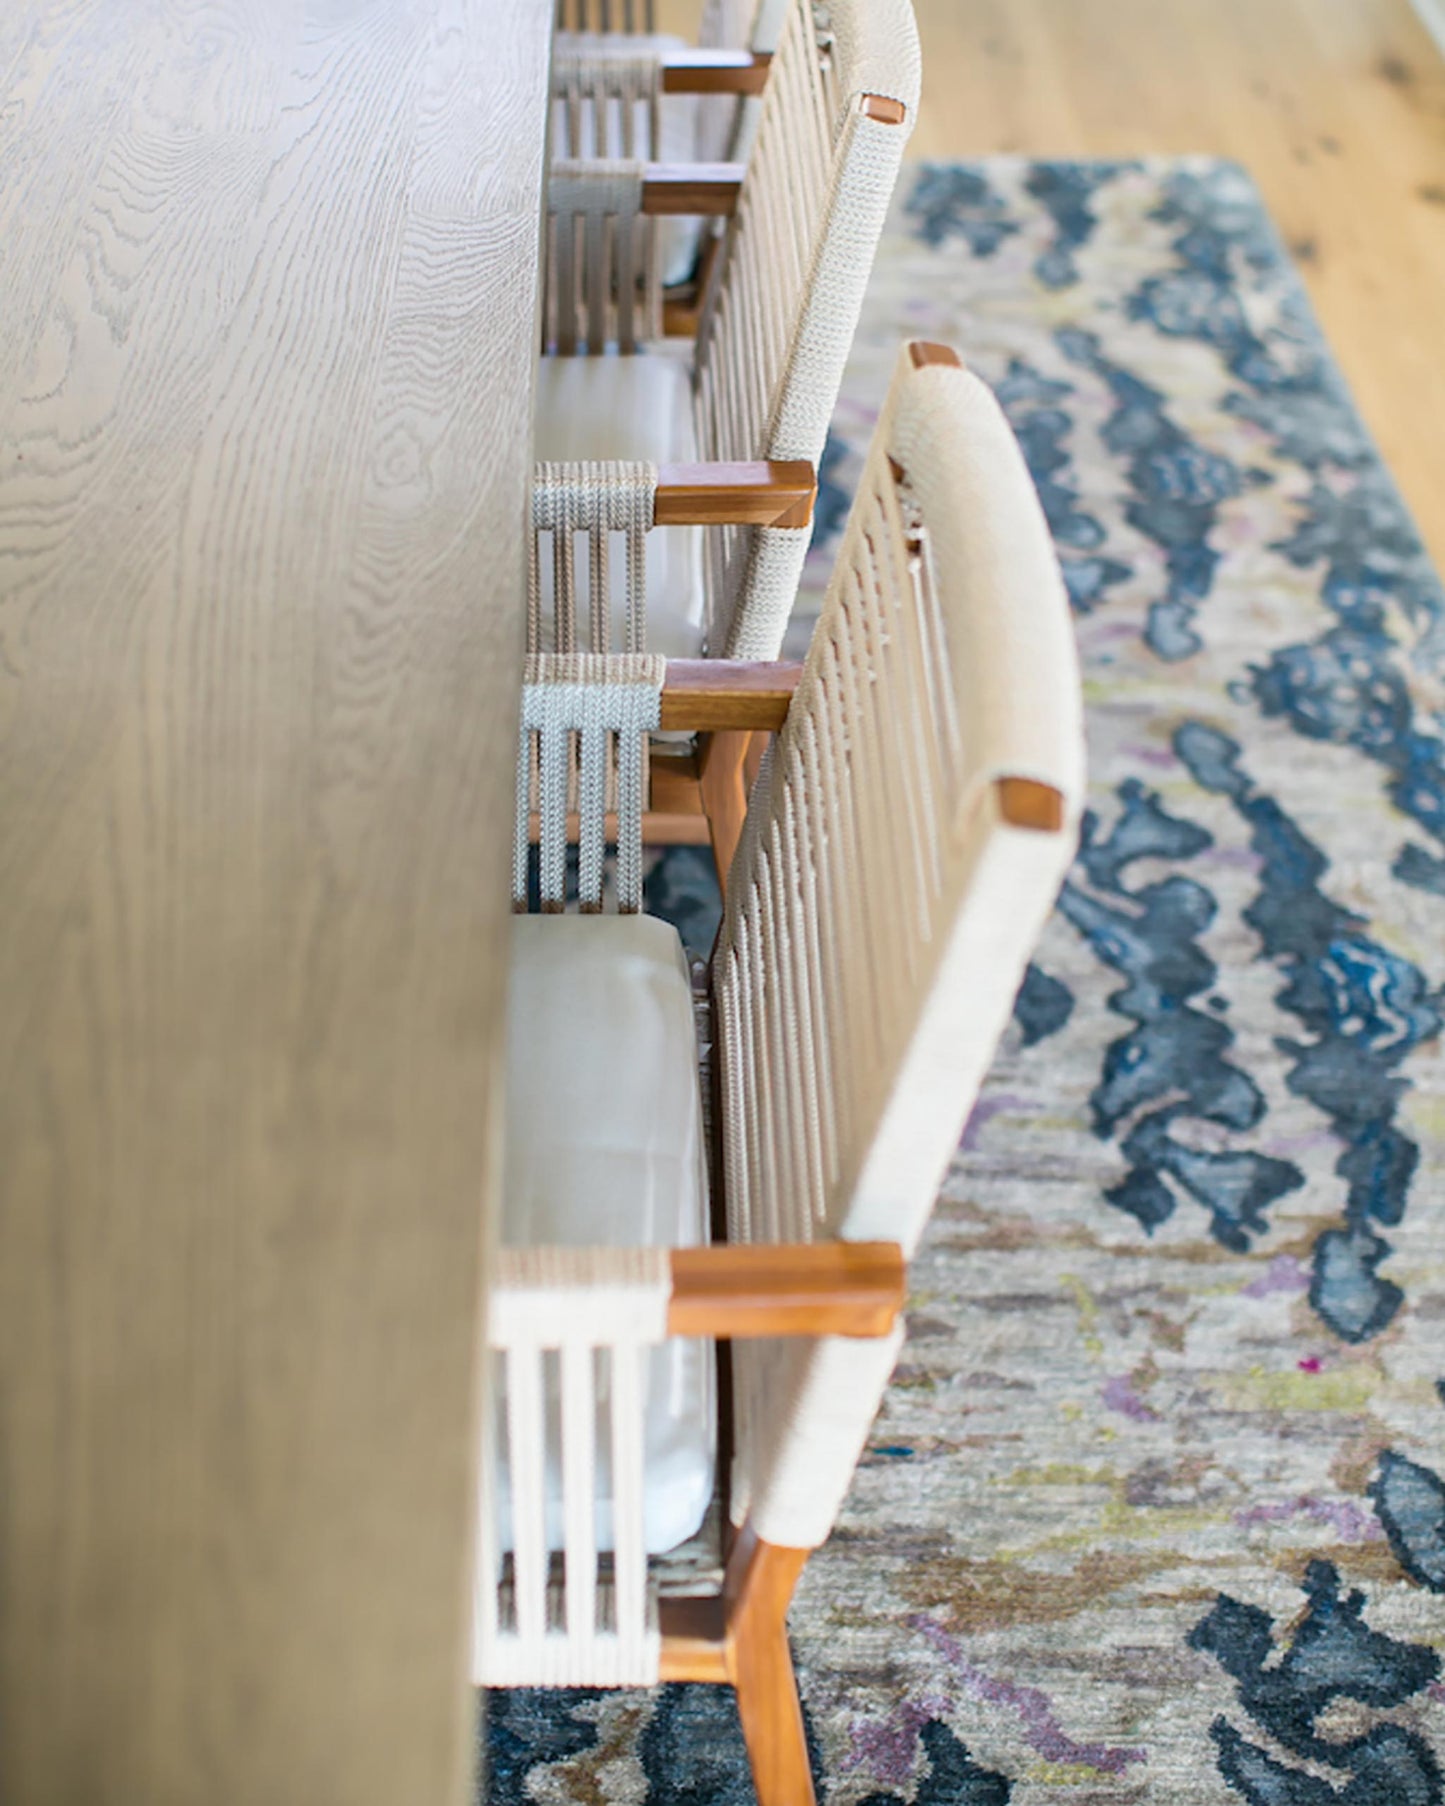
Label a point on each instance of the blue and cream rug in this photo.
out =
(1155, 1509)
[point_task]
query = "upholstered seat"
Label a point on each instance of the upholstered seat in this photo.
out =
(637, 407)
(605, 1149)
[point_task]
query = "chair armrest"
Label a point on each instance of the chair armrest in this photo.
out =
(787, 1289)
(714, 71)
(582, 64)
(705, 190)
(710, 695)
(545, 1297)
(777, 492)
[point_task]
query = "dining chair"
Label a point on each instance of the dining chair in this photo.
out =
(741, 1167)
(759, 381)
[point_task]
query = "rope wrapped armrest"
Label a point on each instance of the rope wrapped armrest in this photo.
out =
(590, 67)
(589, 500)
(594, 1312)
(594, 67)
(603, 283)
(622, 17)
(605, 1297)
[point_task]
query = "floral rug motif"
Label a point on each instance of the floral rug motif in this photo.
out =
(1154, 1510)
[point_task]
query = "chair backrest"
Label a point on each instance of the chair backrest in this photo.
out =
(903, 848)
(840, 102)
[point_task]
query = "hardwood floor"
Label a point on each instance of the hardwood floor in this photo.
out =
(1337, 107)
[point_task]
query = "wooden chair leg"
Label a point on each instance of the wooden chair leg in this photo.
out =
(757, 1591)
(724, 788)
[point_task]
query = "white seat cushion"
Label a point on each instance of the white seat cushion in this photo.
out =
(637, 407)
(605, 1148)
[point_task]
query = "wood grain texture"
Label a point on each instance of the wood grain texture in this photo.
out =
(694, 1640)
(1026, 803)
(778, 492)
(700, 694)
(723, 791)
(267, 306)
(757, 1591)
(715, 71)
(787, 1289)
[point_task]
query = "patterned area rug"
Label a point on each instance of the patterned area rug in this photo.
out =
(1154, 1510)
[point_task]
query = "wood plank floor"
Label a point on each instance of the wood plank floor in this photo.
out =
(1337, 107)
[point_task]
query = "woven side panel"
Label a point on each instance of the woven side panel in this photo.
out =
(575, 507)
(605, 15)
(583, 752)
(605, 97)
(562, 1621)
(557, 1659)
(602, 287)
(880, 913)
(746, 334)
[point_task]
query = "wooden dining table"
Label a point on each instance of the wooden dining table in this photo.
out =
(268, 310)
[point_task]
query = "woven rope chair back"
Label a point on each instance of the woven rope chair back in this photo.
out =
(778, 325)
(883, 905)
(582, 760)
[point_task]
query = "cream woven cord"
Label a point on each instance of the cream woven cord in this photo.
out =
(594, 1310)
(776, 333)
(784, 303)
(608, 93)
(583, 745)
(605, 15)
(610, 298)
(595, 499)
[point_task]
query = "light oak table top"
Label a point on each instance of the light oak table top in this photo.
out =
(268, 276)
